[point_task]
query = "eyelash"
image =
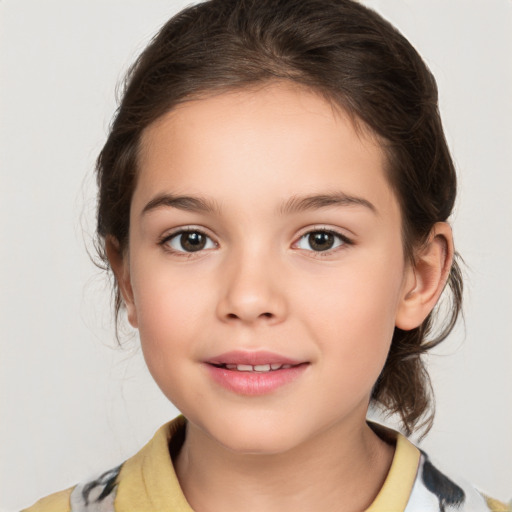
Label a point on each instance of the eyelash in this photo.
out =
(342, 239)
(164, 242)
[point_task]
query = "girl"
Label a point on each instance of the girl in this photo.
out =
(273, 202)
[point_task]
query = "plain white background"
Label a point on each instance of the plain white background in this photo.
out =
(73, 403)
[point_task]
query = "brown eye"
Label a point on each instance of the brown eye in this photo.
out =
(319, 241)
(190, 241)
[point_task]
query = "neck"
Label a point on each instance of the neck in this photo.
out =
(342, 469)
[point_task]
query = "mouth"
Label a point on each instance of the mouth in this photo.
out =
(254, 373)
(247, 361)
(258, 368)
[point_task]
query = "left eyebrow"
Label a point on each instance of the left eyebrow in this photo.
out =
(317, 201)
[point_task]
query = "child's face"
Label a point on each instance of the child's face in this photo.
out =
(293, 256)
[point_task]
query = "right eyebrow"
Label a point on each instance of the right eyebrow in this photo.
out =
(187, 203)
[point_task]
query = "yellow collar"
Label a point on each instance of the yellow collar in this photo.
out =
(148, 482)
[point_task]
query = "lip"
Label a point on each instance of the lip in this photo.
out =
(254, 383)
(252, 358)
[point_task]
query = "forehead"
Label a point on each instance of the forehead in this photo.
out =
(278, 139)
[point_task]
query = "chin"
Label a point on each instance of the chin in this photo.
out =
(262, 445)
(264, 436)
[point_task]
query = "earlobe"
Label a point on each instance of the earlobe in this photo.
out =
(425, 278)
(120, 266)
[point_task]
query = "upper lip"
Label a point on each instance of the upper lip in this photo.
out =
(252, 358)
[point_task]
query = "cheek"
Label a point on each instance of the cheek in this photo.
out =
(353, 316)
(168, 322)
(170, 314)
(166, 295)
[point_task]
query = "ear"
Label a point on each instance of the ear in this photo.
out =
(425, 278)
(120, 264)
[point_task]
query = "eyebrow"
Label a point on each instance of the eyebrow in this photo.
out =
(187, 203)
(295, 204)
(317, 201)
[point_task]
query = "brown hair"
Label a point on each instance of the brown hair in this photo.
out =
(351, 56)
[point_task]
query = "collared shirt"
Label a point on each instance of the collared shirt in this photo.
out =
(147, 482)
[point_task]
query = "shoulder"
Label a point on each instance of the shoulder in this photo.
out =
(434, 490)
(58, 502)
(96, 494)
(133, 485)
(417, 483)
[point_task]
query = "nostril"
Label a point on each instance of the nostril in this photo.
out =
(233, 316)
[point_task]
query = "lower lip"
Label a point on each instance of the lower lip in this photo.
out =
(255, 383)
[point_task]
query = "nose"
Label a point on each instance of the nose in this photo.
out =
(251, 291)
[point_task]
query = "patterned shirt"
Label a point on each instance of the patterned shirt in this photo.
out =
(147, 482)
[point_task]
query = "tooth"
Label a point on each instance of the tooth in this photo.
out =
(244, 367)
(275, 366)
(230, 366)
(262, 367)
(285, 366)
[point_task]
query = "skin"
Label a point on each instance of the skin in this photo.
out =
(258, 284)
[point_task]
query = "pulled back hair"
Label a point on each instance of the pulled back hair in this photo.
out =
(353, 58)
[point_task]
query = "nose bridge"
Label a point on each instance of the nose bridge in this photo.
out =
(251, 288)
